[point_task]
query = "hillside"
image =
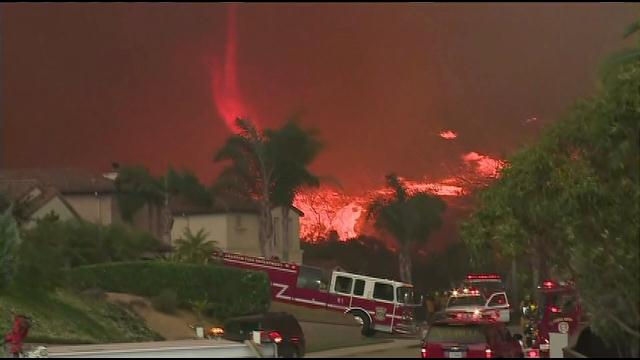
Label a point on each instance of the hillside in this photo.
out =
(68, 318)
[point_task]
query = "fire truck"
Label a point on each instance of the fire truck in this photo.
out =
(488, 284)
(376, 304)
(559, 311)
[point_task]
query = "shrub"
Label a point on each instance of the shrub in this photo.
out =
(230, 291)
(166, 301)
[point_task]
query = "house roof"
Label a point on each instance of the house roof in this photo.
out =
(181, 206)
(17, 191)
(221, 205)
(65, 180)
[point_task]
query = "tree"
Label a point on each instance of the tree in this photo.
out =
(250, 174)
(136, 187)
(268, 167)
(195, 248)
(9, 244)
(410, 219)
(573, 199)
(293, 150)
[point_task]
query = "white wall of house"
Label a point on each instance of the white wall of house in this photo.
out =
(239, 232)
(213, 224)
(55, 205)
(94, 208)
(243, 230)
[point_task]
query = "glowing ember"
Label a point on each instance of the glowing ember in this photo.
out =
(226, 93)
(448, 135)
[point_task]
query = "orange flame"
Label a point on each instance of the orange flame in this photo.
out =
(484, 165)
(326, 209)
(448, 135)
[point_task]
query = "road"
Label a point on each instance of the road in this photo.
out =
(411, 352)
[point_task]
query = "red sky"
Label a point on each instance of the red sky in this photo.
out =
(88, 84)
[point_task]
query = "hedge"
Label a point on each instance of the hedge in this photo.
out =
(231, 292)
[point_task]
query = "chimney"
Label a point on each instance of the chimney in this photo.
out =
(113, 174)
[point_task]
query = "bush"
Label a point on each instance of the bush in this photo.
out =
(166, 301)
(231, 292)
(54, 245)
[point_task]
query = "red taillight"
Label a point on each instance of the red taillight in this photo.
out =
(533, 354)
(275, 337)
(487, 353)
(555, 309)
(424, 353)
(548, 284)
(272, 336)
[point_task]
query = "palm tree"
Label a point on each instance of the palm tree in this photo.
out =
(293, 149)
(410, 219)
(269, 167)
(250, 174)
(195, 248)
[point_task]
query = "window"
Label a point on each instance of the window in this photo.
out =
(358, 288)
(343, 285)
(407, 292)
(498, 300)
(311, 278)
(382, 291)
(466, 301)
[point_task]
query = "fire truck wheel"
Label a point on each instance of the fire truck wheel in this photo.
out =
(363, 320)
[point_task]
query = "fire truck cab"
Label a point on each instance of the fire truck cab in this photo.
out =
(559, 311)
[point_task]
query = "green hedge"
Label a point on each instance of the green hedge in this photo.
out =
(231, 292)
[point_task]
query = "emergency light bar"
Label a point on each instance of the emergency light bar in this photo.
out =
(484, 277)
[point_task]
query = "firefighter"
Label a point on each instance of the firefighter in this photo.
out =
(15, 337)
(528, 308)
(431, 305)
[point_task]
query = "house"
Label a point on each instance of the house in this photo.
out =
(92, 197)
(234, 225)
(72, 192)
(34, 201)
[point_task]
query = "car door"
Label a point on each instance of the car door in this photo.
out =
(499, 302)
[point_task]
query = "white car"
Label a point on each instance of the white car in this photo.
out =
(472, 304)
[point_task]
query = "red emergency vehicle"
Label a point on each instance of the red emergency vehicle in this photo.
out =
(377, 304)
(559, 311)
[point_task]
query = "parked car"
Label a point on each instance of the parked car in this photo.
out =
(277, 327)
(452, 337)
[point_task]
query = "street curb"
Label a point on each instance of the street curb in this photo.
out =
(363, 349)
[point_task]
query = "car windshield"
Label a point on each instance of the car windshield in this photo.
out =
(466, 301)
(463, 334)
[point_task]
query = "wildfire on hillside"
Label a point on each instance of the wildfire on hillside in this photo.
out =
(327, 209)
